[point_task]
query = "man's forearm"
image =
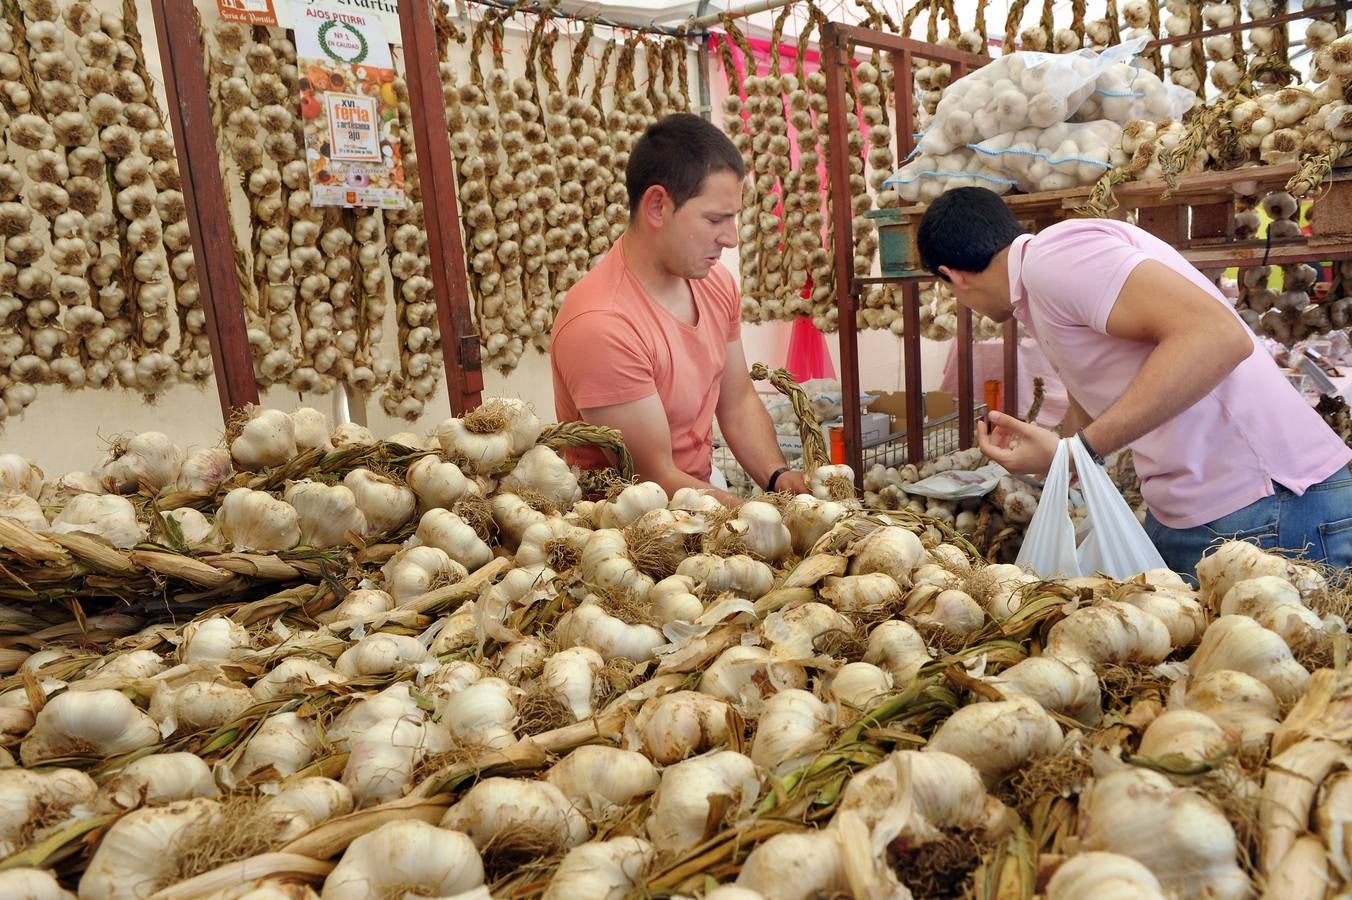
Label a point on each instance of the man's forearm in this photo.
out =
(751, 436)
(1177, 373)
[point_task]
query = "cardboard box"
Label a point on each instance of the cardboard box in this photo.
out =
(935, 404)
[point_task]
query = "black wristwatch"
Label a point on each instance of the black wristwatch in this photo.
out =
(1093, 454)
(774, 479)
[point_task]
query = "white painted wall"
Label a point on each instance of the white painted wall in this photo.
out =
(64, 431)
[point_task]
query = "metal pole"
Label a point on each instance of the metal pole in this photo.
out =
(704, 21)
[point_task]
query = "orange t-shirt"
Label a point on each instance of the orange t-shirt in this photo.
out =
(614, 344)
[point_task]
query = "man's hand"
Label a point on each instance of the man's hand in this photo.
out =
(1019, 446)
(792, 482)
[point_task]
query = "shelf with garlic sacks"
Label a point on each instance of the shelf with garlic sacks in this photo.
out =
(476, 683)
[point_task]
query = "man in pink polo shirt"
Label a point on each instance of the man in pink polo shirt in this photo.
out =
(650, 340)
(1154, 358)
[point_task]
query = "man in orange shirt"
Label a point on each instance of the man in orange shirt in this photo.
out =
(649, 342)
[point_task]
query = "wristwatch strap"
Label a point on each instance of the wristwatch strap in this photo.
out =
(1093, 454)
(774, 479)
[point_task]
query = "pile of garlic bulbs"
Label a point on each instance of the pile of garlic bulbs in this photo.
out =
(493, 685)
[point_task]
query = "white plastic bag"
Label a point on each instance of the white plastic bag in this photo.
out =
(925, 177)
(1124, 91)
(1116, 544)
(1067, 155)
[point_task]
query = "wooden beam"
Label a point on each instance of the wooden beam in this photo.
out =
(204, 198)
(1255, 23)
(858, 36)
(436, 173)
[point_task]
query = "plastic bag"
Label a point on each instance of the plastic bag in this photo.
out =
(1052, 159)
(958, 484)
(1124, 92)
(924, 178)
(1017, 91)
(1116, 545)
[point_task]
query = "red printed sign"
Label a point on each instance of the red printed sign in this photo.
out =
(248, 12)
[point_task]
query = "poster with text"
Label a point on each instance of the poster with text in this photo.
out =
(247, 12)
(349, 109)
(386, 11)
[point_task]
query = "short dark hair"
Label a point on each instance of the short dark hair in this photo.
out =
(964, 229)
(679, 152)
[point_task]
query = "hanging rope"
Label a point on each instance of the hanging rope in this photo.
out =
(879, 18)
(981, 26)
(909, 18)
(738, 38)
(579, 56)
(1048, 22)
(804, 41)
(476, 49)
(533, 50)
(1198, 51)
(1077, 11)
(549, 71)
(932, 30)
(600, 78)
(1155, 32)
(951, 15)
(1114, 24)
(777, 35)
(1012, 23)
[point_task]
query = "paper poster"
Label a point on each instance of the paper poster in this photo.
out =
(248, 12)
(384, 11)
(349, 108)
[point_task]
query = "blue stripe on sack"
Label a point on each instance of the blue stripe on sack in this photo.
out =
(893, 179)
(1040, 155)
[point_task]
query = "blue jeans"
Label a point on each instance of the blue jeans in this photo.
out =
(1317, 523)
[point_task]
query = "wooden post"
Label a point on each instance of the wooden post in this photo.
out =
(911, 381)
(1011, 398)
(966, 379)
(204, 198)
(445, 248)
(836, 61)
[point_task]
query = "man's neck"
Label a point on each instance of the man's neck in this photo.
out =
(667, 289)
(996, 279)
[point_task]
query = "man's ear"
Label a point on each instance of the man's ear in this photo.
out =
(654, 206)
(956, 278)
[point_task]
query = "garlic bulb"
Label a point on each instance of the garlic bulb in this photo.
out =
(1109, 632)
(793, 728)
(605, 870)
(192, 700)
(513, 517)
(32, 884)
(417, 570)
(997, 738)
(808, 519)
(1236, 561)
(350, 434)
(267, 439)
(589, 625)
(311, 428)
(674, 726)
(108, 516)
(855, 593)
(395, 702)
(1275, 605)
(607, 566)
(138, 854)
(554, 543)
(483, 714)
(793, 633)
(897, 647)
(161, 778)
(325, 513)
(214, 639)
(543, 473)
(521, 660)
(410, 857)
(599, 779)
(305, 803)
(204, 470)
(1239, 644)
(797, 865)
(744, 677)
(437, 484)
(448, 532)
(497, 808)
(759, 529)
(136, 664)
(1178, 609)
(149, 460)
(520, 588)
(24, 510)
(284, 742)
(631, 504)
(361, 605)
(87, 723)
(380, 654)
(197, 531)
(380, 764)
(19, 476)
(1109, 876)
(1183, 732)
(680, 808)
(254, 520)
(740, 574)
(1244, 707)
(45, 798)
(891, 550)
(673, 600)
(1178, 835)
(1067, 687)
(858, 686)
(570, 674)
(386, 505)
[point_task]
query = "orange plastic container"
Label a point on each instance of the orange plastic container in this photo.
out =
(838, 446)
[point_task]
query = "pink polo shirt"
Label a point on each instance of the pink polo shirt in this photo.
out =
(1216, 457)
